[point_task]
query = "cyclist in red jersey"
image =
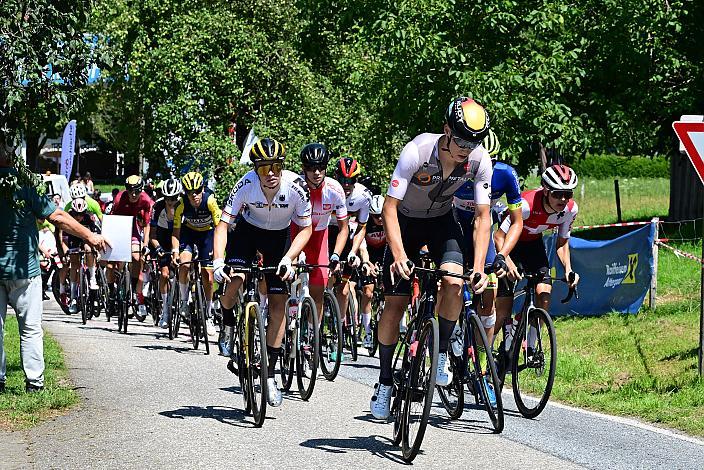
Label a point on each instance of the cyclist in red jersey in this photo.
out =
(549, 207)
(135, 202)
(326, 197)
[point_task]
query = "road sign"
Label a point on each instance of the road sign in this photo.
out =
(691, 134)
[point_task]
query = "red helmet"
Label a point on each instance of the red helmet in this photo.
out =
(559, 177)
(347, 170)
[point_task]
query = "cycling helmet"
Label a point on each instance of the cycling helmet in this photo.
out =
(315, 155)
(79, 205)
(192, 181)
(467, 119)
(267, 150)
(171, 187)
(559, 177)
(134, 182)
(491, 144)
(78, 190)
(347, 169)
(377, 204)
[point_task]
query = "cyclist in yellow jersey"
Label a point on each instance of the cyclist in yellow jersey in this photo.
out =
(195, 218)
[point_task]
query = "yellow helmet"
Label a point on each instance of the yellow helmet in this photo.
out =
(134, 183)
(267, 149)
(192, 181)
(491, 144)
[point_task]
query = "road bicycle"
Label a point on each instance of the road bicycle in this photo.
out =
(377, 308)
(528, 349)
(124, 301)
(301, 349)
(349, 317)
(87, 298)
(197, 306)
(465, 363)
(249, 359)
(331, 335)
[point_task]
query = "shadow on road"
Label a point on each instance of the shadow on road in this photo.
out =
(376, 445)
(168, 347)
(222, 414)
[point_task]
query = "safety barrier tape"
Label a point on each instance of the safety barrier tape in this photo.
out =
(679, 252)
(620, 224)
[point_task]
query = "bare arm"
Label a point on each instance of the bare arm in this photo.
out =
(563, 252)
(358, 237)
(219, 240)
(514, 232)
(65, 222)
(393, 231)
(176, 234)
(299, 242)
(342, 235)
(482, 232)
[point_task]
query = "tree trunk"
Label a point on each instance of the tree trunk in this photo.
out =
(542, 158)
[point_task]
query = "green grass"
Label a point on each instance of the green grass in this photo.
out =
(641, 365)
(19, 409)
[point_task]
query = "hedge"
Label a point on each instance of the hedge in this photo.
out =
(609, 166)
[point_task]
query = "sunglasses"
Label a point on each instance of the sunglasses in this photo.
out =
(264, 169)
(171, 198)
(559, 194)
(134, 192)
(195, 192)
(465, 144)
(347, 181)
(312, 168)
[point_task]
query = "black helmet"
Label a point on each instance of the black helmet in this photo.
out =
(315, 155)
(467, 119)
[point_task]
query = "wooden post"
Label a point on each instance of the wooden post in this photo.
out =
(652, 296)
(701, 307)
(618, 201)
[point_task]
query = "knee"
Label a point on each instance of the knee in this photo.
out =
(451, 286)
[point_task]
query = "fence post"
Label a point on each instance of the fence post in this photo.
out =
(654, 279)
(618, 201)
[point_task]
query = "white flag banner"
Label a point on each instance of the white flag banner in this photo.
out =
(68, 149)
(248, 143)
(117, 229)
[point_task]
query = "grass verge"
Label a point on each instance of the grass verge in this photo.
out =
(21, 410)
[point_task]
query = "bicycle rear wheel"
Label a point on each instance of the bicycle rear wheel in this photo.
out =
(377, 308)
(534, 361)
(257, 364)
(83, 296)
(421, 384)
(308, 348)
(496, 414)
(350, 329)
(330, 337)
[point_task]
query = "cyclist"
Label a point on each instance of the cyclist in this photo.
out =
(162, 226)
(271, 200)
(504, 181)
(545, 208)
(372, 255)
(358, 198)
(418, 211)
(79, 211)
(78, 190)
(196, 216)
(326, 197)
(133, 201)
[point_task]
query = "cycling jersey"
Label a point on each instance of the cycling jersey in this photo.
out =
(504, 180)
(290, 203)
(89, 221)
(418, 182)
(141, 211)
(325, 200)
(375, 239)
(358, 203)
(93, 207)
(202, 218)
(162, 223)
(536, 219)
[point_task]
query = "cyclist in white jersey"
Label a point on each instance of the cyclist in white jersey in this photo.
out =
(418, 211)
(270, 199)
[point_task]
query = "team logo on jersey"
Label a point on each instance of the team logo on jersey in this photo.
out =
(423, 177)
(394, 183)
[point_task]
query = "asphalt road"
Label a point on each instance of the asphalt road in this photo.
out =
(153, 403)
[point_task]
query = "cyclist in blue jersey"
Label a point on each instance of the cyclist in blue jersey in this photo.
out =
(504, 181)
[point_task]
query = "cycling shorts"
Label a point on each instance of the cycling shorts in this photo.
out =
(443, 236)
(202, 240)
(531, 257)
(333, 230)
(466, 221)
(246, 240)
(163, 260)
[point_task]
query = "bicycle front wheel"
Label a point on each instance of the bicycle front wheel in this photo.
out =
(174, 309)
(419, 393)
(533, 363)
(83, 295)
(452, 396)
(308, 348)
(257, 362)
(330, 337)
(482, 381)
(287, 365)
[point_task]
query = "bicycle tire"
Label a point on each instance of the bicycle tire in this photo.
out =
(194, 324)
(56, 289)
(452, 396)
(103, 293)
(351, 330)
(377, 309)
(420, 390)
(155, 298)
(398, 392)
(475, 369)
(174, 315)
(540, 317)
(203, 319)
(307, 355)
(331, 337)
(257, 370)
(127, 301)
(287, 364)
(82, 296)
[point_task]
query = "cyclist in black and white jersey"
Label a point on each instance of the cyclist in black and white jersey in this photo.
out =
(270, 199)
(417, 211)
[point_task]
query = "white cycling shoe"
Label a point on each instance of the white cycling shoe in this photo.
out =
(380, 404)
(73, 306)
(444, 375)
(164, 322)
(93, 284)
(274, 397)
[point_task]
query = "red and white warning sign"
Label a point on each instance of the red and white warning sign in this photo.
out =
(691, 134)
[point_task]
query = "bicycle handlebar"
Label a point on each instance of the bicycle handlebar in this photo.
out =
(572, 292)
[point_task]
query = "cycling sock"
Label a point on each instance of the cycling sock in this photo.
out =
(165, 303)
(228, 316)
(184, 291)
(91, 272)
(366, 320)
(386, 357)
(273, 359)
(208, 307)
(446, 328)
(74, 290)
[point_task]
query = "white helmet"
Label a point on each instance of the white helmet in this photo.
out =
(79, 205)
(559, 177)
(77, 190)
(171, 187)
(377, 204)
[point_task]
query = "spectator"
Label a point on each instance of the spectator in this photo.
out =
(108, 206)
(90, 187)
(20, 279)
(97, 194)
